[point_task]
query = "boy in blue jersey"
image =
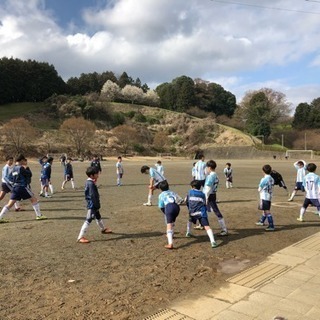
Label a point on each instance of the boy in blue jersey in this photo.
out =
(210, 190)
(68, 174)
(265, 190)
(45, 176)
(169, 206)
(6, 187)
(93, 205)
(301, 167)
(196, 203)
(20, 179)
(311, 184)
(155, 178)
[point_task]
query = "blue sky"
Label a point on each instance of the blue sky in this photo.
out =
(242, 45)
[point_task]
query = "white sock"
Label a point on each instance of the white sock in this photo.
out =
(189, 226)
(170, 236)
(100, 224)
(83, 229)
(36, 208)
(72, 184)
(222, 224)
(302, 211)
(17, 205)
(150, 198)
(4, 210)
(210, 235)
(51, 188)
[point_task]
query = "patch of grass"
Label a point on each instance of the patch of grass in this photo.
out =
(16, 110)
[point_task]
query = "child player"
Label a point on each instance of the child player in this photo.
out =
(265, 190)
(278, 180)
(68, 174)
(119, 171)
(210, 190)
(6, 187)
(196, 203)
(169, 206)
(96, 163)
(228, 174)
(311, 184)
(45, 176)
(20, 179)
(155, 179)
(93, 205)
(301, 172)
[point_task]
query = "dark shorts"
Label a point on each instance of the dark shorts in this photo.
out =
(156, 185)
(44, 182)
(171, 211)
(203, 221)
(21, 193)
(314, 202)
(264, 205)
(93, 214)
(5, 188)
(229, 179)
(68, 177)
(299, 186)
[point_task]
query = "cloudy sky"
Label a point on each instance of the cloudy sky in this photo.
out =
(242, 45)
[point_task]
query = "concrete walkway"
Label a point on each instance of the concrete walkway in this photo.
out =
(285, 286)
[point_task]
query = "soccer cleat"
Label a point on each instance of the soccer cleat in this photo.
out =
(83, 240)
(300, 219)
(4, 221)
(289, 200)
(259, 223)
(47, 196)
(42, 217)
(169, 246)
(269, 229)
(19, 209)
(223, 233)
(148, 204)
(41, 194)
(188, 235)
(199, 227)
(214, 244)
(106, 231)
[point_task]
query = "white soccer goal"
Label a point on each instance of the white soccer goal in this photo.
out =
(299, 153)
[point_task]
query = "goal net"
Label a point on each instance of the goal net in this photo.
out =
(299, 154)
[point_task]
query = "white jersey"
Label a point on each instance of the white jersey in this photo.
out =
(265, 187)
(200, 170)
(160, 168)
(301, 172)
(311, 183)
(119, 167)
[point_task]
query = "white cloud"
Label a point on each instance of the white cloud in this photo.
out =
(160, 40)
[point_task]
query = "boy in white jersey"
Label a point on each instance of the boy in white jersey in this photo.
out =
(301, 172)
(155, 179)
(265, 190)
(120, 171)
(311, 184)
(228, 174)
(200, 170)
(169, 206)
(210, 190)
(160, 167)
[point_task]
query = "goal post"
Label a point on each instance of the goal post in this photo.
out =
(299, 153)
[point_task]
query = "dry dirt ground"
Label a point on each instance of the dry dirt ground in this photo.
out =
(46, 274)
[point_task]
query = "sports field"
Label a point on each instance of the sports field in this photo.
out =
(46, 274)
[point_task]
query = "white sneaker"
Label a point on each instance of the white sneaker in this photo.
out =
(149, 204)
(300, 219)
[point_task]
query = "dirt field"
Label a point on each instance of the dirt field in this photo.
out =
(129, 274)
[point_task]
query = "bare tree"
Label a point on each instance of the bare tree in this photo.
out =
(18, 133)
(79, 132)
(127, 136)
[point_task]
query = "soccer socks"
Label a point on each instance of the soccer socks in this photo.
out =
(263, 218)
(302, 212)
(270, 220)
(170, 236)
(210, 235)
(4, 210)
(16, 205)
(51, 188)
(83, 229)
(189, 227)
(100, 224)
(36, 208)
(222, 224)
(150, 198)
(72, 184)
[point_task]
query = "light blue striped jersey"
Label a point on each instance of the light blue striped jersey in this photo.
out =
(265, 187)
(157, 176)
(311, 183)
(6, 170)
(301, 171)
(200, 170)
(166, 197)
(211, 184)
